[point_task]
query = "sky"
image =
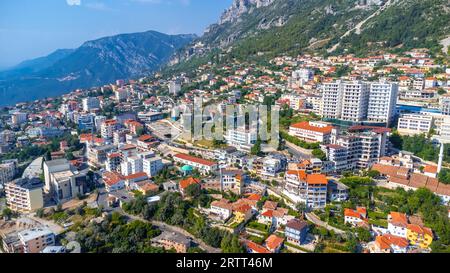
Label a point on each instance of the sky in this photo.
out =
(30, 28)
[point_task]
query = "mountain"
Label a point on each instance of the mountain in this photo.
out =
(255, 28)
(35, 65)
(94, 63)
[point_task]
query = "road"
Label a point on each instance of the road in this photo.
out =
(169, 228)
(316, 220)
(297, 151)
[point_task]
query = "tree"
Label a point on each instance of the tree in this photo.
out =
(230, 244)
(256, 149)
(319, 154)
(193, 190)
(363, 234)
(373, 173)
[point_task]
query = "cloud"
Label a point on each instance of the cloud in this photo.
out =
(185, 2)
(73, 2)
(97, 6)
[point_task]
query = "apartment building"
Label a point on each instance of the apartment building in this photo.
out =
(359, 147)
(7, 171)
(241, 138)
(382, 101)
(310, 189)
(358, 101)
(355, 101)
(90, 103)
(97, 154)
(232, 180)
(296, 231)
(412, 124)
(19, 118)
(107, 128)
(34, 240)
(24, 195)
(311, 131)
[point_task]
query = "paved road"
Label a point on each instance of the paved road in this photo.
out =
(169, 228)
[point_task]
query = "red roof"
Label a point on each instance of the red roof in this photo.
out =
(256, 247)
(305, 125)
(316, 179)
(188, 181)
(274, 242)
(112, 178)
(136, 175)
(195, 159)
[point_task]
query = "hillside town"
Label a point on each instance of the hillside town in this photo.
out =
(362, 162)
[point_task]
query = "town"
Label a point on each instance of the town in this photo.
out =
(362, 162)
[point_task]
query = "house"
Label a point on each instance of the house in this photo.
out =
(397, 224)
(337, 191)
(113, 181)
(274, 243)
(355, 217)
(388, 243)
(256, 248)
(242, 213)
(186, 183)
(222, 209)
(296, 231)
(419, 236)
(172, 240)
(146, 187)
(232, 180)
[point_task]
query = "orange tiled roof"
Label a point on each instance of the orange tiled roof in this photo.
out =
(195, 159)
(273, 242)
(316, 179)
(305, 125)
(188, 181)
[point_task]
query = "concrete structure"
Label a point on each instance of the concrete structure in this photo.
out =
(36, 239)
(311, 131)
(24, 195)
(411, 124)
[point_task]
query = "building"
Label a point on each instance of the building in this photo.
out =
(185, 183)
(419, 236)
(152, 166)
(19, 118)
(34, 240)
(203, 165)
(358, 101)
(296, 231)
(382, 102)
(311, 131)
(355, 217)
(121, 94)
(310, 189)
(113, 181)
(68, 184)
(274, 243)
(51, 167)
(388, 243)
(221, 209)
(174, 87)
(7, 171)
(172, 240)
(107, 128)
(241, 138)
(232, 180)
(337, 191)
(412, 124)
(24, 195)
(397, 224)
(90, 103)
(97, 154)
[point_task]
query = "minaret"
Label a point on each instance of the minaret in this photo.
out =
(441, 158)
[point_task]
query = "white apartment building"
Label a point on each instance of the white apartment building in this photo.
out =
(174, 87)
(107, 128)
(152, 166)
(36, 239)
(382, 101)
(310, 189)
(241, 138)
(232, 180)
(411, 124)
(24, 195)
(311, 131)
(444, 103)
(332, 100)
(359, 101)
(132, 165)
(90, 103)
(355, 99)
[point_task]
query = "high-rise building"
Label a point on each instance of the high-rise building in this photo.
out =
(382, 101)
(358, 101)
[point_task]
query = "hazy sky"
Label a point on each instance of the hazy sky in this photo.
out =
(34, 28)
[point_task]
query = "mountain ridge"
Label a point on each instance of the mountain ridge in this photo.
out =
(94, 63)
